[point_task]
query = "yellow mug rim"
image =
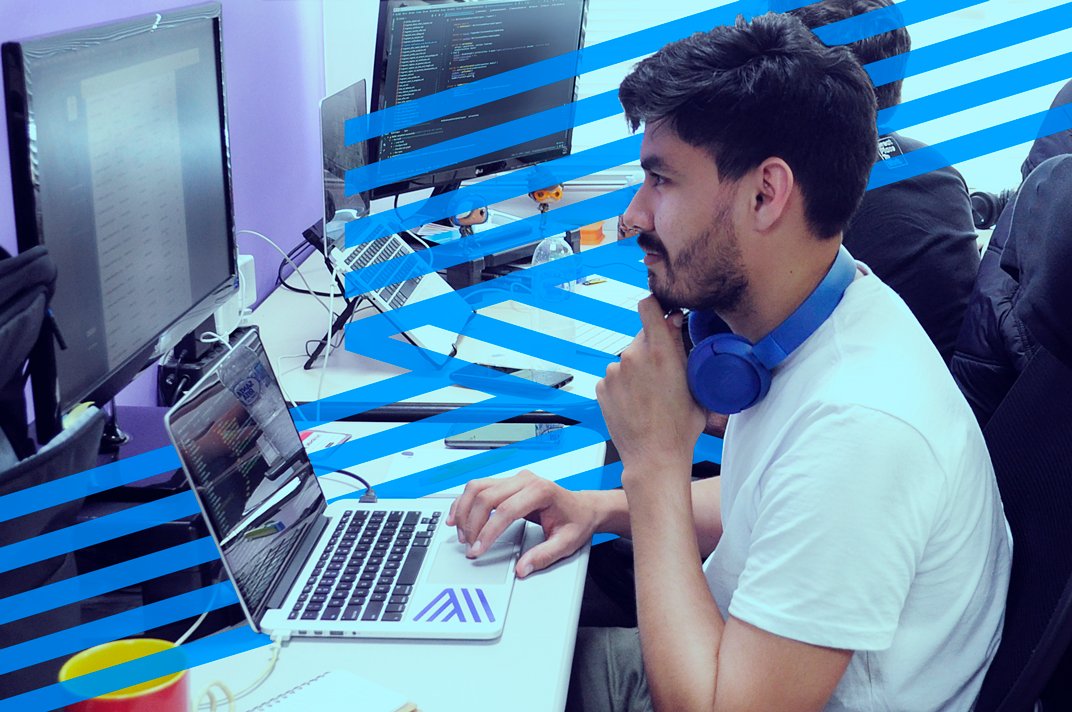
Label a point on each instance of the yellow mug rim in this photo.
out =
(168, 680)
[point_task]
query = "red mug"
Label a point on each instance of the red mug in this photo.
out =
(164, 694)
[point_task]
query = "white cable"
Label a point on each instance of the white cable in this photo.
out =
(211, 704)
(420, 240)
(211, 336)
(189, 632)
(215, 590)
(291, 263)
(327, 339)
(212, 698)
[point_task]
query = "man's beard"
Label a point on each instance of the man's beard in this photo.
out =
(708, 275)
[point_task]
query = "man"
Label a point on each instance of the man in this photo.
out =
(857, 553)
(916, 234)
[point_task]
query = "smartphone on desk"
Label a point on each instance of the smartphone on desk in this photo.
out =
(476, 378)
(500, 434)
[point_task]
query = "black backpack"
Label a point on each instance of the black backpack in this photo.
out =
(27, 283)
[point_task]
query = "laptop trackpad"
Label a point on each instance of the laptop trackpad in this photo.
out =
(451, 567)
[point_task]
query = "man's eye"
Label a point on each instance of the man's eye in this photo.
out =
(657, 179)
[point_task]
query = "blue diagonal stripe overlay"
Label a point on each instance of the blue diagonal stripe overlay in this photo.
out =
(621, 49)
(370, 336)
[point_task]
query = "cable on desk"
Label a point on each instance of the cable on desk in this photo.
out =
(212, 337)
(276, 646)
(291, 262)
(303, 247)
(370, 494)
(339, 337)
(327, 346)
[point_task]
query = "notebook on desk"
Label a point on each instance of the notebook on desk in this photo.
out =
(389, 569)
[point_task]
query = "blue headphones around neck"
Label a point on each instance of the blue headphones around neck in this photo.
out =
(727, 374)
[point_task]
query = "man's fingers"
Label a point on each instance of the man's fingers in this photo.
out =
(651, 314)
(472, 509)
(539, 557)
(521, 503)
(659, 326)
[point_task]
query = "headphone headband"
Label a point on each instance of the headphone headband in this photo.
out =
(776, 346)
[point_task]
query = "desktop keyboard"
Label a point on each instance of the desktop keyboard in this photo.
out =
(380, 250)
(369, 567)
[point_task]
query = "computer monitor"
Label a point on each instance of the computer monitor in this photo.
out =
(340, 208)
(120, 167)
(428, 46)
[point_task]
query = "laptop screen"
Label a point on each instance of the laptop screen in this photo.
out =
(340, 208)
(238, 444)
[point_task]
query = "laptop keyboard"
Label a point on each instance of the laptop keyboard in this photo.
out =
(381, 250)
(369, 567)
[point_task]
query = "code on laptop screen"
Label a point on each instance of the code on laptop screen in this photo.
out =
(249, 471)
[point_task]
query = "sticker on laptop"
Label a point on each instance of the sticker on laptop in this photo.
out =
(451, 607)
(248, 390)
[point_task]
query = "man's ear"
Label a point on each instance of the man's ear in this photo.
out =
(770, 185)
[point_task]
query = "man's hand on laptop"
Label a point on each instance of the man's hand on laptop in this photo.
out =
(488, 506)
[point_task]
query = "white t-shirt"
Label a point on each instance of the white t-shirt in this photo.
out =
(860, 511)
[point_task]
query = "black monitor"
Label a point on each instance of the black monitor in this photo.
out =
(120, 167)
(340, 208)
(428, 46)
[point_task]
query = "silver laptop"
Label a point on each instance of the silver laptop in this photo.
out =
(389, 569)
(340, 209)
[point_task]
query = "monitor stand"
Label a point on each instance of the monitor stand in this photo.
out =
(112, 438)
(340, 321)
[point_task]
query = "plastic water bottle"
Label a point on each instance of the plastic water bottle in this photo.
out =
(552, 287)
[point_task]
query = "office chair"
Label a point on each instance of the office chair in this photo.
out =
(1030, 441)
(73, 450)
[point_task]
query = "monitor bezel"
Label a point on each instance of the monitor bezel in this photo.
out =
(448, 179)
(49, 404)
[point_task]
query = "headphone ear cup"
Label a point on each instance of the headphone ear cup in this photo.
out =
(725, 376)
(703, 324)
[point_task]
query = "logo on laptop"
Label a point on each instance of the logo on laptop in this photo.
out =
(451, 606)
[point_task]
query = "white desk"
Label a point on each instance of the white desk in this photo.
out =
(288, 320)
(527, 668)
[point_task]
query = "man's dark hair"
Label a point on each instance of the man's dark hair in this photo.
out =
(747, 92)
(887, 35)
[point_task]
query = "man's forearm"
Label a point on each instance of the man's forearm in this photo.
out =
(680, 624)
(613, 512)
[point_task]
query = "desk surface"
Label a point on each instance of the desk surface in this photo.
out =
(289, 320)
(528, 666)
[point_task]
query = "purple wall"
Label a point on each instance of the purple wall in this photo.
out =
(273, 54)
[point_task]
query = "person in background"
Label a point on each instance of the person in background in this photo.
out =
(916, 234)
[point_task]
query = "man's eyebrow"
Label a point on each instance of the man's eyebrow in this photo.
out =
(655, 164)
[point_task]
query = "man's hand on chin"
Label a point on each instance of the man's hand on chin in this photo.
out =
(646, 400)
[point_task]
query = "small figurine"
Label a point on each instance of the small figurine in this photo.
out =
(469, 212)
(545, 196)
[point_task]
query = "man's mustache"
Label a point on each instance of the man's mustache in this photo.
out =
(649, 242)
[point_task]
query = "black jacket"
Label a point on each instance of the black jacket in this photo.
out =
(917, 235)
(1023, 294)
